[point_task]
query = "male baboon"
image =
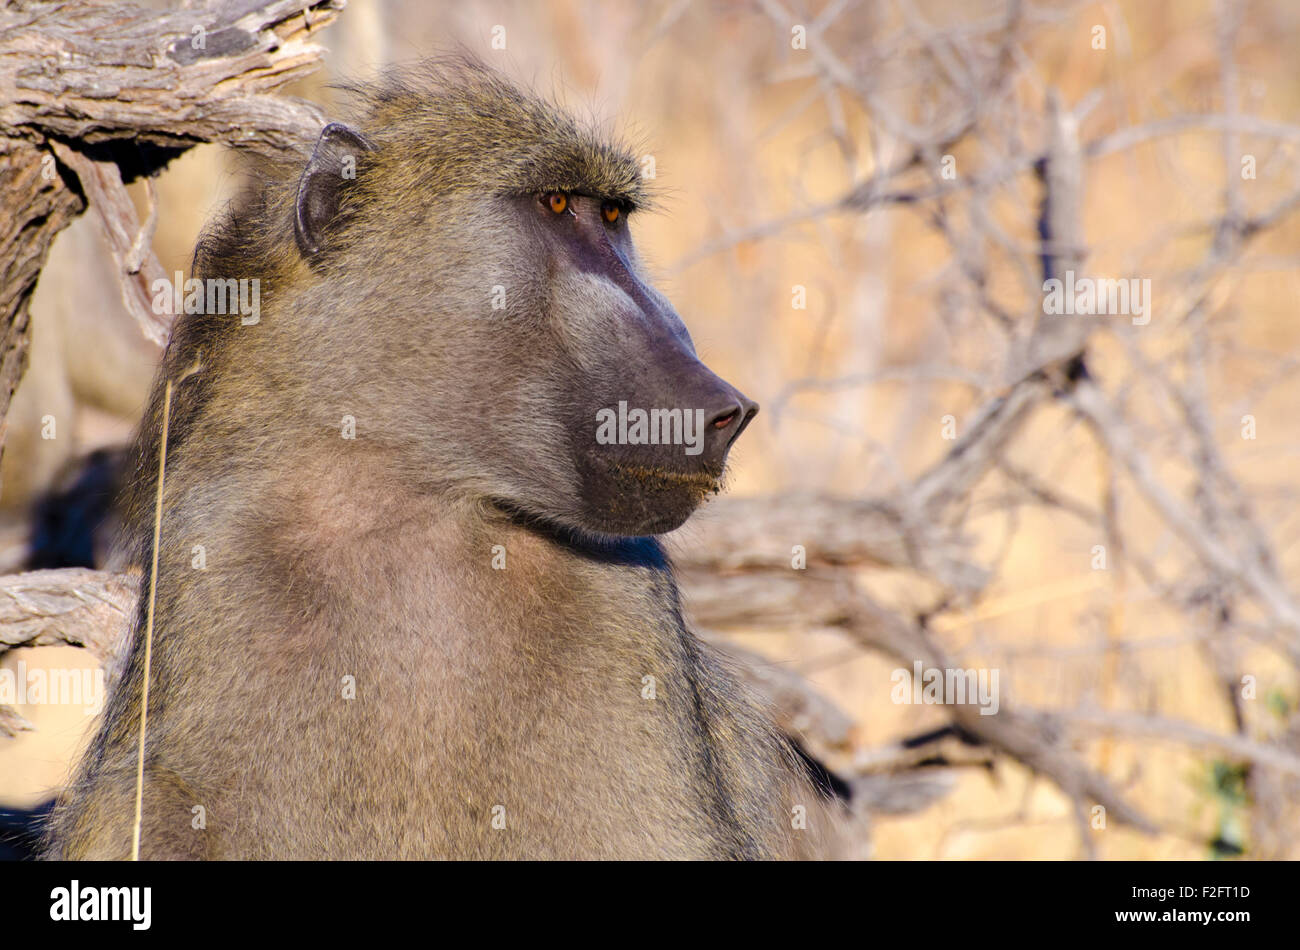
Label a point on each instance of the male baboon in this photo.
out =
(430, 618)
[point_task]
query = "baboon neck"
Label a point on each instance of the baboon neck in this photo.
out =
(644, 551)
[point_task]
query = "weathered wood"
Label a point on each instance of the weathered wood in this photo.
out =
(739, 534)
(101, 73)
(34, 206)
(102, 184)
(73, 606)
(93, 93)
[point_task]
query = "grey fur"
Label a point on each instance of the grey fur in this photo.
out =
(372, 558)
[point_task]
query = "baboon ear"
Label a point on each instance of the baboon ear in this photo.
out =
(333, 165)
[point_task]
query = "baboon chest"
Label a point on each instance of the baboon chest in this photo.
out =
(461, 710)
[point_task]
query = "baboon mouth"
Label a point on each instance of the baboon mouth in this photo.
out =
(655, 478)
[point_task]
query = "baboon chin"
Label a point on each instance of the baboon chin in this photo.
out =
(372, 662)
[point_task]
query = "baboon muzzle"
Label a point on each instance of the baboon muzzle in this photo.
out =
(661, 445)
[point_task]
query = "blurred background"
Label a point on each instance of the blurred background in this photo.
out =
(861, 201)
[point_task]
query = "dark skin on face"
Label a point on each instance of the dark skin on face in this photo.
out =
(650, 363)
(621, 346)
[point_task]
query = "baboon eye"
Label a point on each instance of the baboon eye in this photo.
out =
(611, 211)
(557, 201)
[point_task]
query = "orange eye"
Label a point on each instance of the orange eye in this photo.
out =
(557, 201)
(611, 211)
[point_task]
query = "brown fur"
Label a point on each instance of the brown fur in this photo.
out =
(372, 557)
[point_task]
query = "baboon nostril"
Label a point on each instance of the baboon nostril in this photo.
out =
(726, 419)
(745, 414)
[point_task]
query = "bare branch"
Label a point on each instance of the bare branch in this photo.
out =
(73, 606)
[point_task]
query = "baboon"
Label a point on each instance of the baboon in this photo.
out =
(409, 605)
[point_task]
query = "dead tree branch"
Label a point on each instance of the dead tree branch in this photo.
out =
(95, 94)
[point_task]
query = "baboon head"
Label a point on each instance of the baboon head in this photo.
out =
(461, 273)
